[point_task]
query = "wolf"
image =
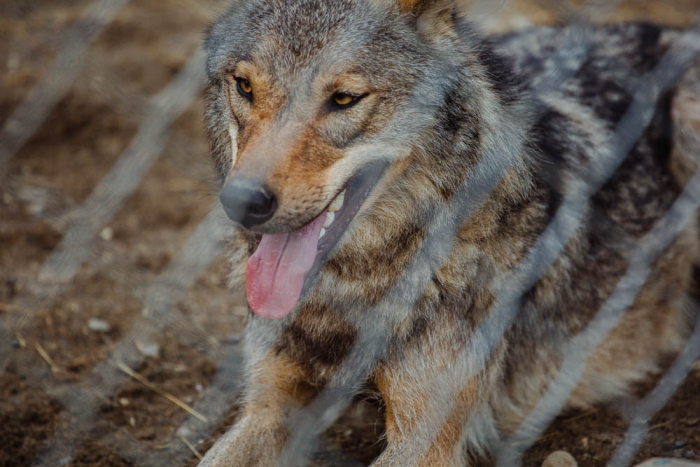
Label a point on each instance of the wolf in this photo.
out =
(391, 174)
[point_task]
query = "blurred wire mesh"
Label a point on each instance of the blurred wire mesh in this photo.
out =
(116, 328)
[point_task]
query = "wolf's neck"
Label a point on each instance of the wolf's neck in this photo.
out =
(463, 173)
(478, 144)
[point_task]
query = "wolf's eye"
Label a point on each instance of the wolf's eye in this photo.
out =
(244, 88)
(341, 100)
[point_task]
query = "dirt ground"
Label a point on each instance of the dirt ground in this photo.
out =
(67, 337)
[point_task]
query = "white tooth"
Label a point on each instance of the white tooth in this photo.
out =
(330, 217)
(323, 232)
(337, 202)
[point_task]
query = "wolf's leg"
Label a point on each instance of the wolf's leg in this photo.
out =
(685, 112)
(274, 394)
(432, 395)
(685, 155)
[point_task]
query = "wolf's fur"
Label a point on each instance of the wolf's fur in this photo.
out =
(439, 97)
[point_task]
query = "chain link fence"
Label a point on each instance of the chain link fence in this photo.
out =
(125, 364)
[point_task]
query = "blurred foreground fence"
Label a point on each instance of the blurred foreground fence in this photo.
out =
(82, 399)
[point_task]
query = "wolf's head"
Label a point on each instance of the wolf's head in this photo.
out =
(308, 101)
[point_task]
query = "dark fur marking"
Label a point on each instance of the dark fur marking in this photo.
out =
(317, 348)
(508, 85)
(608, 99)
(636, 203)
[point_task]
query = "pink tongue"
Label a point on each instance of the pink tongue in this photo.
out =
(276, 271)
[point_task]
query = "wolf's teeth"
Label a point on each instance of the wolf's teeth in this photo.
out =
(323, 232)
(337, 202)
(330, 217)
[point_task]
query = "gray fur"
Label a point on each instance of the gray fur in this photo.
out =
(443, 100)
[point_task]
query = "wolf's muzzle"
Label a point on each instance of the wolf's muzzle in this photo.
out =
(248, 202)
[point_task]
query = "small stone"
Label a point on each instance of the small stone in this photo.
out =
(199, 387)
(149, 349)
(124, 401)
(560, 459)
(680, 444)
(132, 422)
(99, 325)
(658, 462)
(688, 454)
(584, 442)
(184, 432)
(107, 234)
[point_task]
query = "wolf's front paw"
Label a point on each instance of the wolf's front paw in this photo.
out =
(244, 445)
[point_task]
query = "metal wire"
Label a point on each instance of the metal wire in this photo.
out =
(100, 208)
(373, 335)
(76, 40)
(657, 399)
(628, 131)
(199, 251)
(82, 400)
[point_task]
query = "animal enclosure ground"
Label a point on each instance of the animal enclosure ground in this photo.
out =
(67, 338)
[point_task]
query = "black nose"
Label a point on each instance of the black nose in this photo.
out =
(248, 202)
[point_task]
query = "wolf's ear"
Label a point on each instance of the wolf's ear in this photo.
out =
(431, 16)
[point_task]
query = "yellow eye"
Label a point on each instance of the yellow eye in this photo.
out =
(343, 100)
(244, 87)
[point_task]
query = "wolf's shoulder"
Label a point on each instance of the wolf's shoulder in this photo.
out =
(603, 67)
(616, 50)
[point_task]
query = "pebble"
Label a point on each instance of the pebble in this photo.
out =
(560, 459)
(99, 325)
(149, 350)
(107, 234)
(667, 463)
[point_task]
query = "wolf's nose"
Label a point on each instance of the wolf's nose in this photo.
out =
(248, 202)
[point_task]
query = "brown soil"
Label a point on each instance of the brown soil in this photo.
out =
(77, 145)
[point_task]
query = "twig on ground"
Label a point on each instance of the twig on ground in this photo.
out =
(191, 447)
(548, 435)
(22, 341)
(159, 391)
(46, 357)
(659, 425)
(582, 415)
